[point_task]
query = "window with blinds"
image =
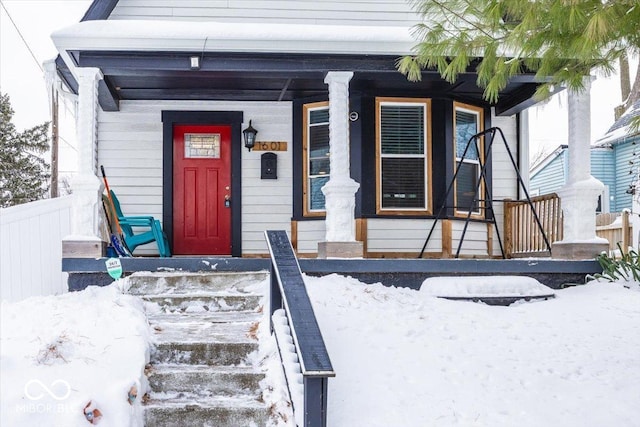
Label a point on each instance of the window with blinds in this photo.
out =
(403, 155)
(468, 122)
(316, 153)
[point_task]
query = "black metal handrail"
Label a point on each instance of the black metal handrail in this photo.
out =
(288, 292)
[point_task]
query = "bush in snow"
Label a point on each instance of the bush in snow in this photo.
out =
(625, 269)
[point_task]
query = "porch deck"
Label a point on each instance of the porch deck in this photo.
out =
(409, 273)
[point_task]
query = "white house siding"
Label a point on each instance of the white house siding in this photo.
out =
(130, 148)
(327, 12)
(402, 235)
(309, 234)
(475, 239)
(505, 184)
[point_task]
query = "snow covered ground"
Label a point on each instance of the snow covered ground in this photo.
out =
(59, 353)
(405, 358)
(402, 357)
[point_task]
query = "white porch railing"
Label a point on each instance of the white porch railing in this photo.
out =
(31, 248)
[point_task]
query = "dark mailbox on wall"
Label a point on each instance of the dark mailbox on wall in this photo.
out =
(269, 166)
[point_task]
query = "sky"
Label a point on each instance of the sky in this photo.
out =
(22, 79)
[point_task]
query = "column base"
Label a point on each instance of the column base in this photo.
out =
(578, 250)
(89, 248)
(340, 250)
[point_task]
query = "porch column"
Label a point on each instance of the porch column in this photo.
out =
(340, 190)
(579, 197)
(84, 242)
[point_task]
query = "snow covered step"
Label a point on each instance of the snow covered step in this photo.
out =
(201, 302)
(185, 329)
(240, 411)
(147, 283)
(204, 328)
(246, 316)
(491, 290)
(205, 380)
(203, 344)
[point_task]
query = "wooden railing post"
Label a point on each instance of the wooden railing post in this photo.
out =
(626, 232)
(315, 401)
(508, 228)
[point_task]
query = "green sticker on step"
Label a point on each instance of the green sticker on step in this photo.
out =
(114, 268)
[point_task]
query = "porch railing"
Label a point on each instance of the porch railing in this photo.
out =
(31, 248)
(616, 228)
(298, 334)
(523, 237)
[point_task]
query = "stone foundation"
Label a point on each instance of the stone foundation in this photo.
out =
(575, 251)
(340, 250)
(83, 248)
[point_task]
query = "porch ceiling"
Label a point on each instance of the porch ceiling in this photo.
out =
(270, 77)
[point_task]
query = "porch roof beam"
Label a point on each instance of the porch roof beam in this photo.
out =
(126, 62)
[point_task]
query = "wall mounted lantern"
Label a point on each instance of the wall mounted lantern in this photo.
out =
(249, 136)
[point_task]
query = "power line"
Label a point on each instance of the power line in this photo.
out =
(22, 37)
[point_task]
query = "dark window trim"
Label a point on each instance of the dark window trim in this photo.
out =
(226, 118)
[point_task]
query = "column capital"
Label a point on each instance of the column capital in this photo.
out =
(88, 73)
(338, 77)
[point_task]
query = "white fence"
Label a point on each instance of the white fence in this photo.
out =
(31, 248)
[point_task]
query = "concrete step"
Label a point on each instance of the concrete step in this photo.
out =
(204, 380)
(240, 411)
(181, 329)
(246, 316)
(193, 342)
(204, 328)
(146, 283)
(205, 302)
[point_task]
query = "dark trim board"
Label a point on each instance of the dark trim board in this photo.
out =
(99, 10)
(411, 273)
(233, 118)
(408, 273)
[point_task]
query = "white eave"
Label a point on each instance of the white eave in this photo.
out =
(130, 35)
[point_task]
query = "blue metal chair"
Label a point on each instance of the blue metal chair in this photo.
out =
(132, 238)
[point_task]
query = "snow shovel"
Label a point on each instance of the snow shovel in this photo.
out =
(117, 238)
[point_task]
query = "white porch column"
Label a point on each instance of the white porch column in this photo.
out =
(87, 187)
(340, 190)
(579, 197)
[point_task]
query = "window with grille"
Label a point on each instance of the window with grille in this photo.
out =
(403, 154)
(316, 156)
(468, 190)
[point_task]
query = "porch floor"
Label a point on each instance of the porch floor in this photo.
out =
(410, 273)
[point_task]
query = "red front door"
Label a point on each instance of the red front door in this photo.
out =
(201, 190)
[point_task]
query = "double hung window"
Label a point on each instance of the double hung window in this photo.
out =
(468, 121)
(403, 155)
(316, 156)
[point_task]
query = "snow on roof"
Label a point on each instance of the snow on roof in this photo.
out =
(621, 130)
(548, 159)
(138, 35)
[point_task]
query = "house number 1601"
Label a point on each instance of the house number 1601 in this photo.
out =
(270, 146)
